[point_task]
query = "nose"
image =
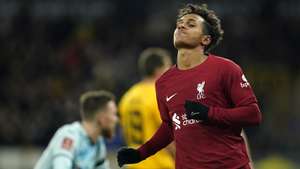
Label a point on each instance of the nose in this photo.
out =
(181, 26)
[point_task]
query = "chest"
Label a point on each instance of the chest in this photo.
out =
(204, 87)
(88, 155)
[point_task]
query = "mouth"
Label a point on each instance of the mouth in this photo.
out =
(182, 32)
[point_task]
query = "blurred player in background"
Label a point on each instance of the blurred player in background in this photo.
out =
(140, 116)
(205, 101)
(80, 145)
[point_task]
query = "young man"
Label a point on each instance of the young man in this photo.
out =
(81, 144)
(139, 112)
(204, 101)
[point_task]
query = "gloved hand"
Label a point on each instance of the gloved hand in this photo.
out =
(195, 110)
(128, 156)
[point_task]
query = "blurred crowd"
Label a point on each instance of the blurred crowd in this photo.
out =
(51, 52)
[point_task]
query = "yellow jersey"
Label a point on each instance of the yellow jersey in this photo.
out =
(140, 118)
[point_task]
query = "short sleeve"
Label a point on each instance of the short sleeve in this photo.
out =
(62, 162)
(63, 144)
(237, 86)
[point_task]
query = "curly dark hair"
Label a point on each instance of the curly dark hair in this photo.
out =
(212, 24)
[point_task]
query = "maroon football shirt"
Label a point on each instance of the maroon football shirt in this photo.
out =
(221, 85)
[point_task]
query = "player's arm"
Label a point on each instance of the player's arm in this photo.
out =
(245, 111)
(157, 119)
(63, 152)
(62, 162)
(159, 140)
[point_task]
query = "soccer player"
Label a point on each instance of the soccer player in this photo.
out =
(140, 117)
(204, 100)
(81, 144)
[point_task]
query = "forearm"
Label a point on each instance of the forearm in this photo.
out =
(159, 140)
(241, 116)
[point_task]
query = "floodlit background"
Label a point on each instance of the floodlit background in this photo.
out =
(53, 50)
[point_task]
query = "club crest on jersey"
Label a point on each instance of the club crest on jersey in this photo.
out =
(200, 89)
(244, 82)
(67, 143)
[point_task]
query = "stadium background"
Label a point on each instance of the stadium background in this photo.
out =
(51, 51)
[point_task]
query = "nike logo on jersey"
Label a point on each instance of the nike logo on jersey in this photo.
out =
(169, 98)
(194, 113)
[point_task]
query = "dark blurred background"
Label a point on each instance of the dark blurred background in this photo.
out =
(53, 50)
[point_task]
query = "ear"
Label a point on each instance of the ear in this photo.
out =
(205, 40)
(100, 118)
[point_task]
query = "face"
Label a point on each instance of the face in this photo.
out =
(107, 119)
(189, 32)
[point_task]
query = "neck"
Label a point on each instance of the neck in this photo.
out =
(189, 58)
(149, 79)
(92, 130)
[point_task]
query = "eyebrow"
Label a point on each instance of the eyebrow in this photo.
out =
(179, 20)
(190, 19)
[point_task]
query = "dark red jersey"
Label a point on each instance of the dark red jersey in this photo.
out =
(217, 144)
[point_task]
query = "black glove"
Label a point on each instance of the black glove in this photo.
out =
(195, 110)
(128, 156)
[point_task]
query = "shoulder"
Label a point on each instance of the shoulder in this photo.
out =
(69, 132)
(128, 94)
(225, 64)
(66, 139)
(69, 129)
(135, 92)
(138, 96)
(165, 76)
(223, 61)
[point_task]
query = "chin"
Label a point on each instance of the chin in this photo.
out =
(182, 44)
